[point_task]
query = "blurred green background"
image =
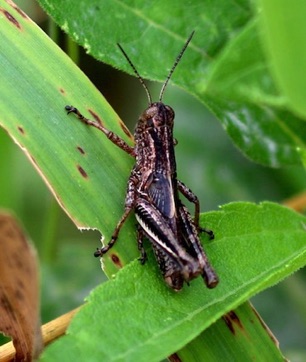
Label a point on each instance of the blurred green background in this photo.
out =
(207, 162)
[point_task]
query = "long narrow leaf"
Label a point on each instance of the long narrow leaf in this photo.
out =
(86, 173)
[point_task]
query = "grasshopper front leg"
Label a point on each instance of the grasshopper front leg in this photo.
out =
(130, 196)
(109, 134)
(129, 206)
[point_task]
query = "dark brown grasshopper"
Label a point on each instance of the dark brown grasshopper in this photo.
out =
(153, 193)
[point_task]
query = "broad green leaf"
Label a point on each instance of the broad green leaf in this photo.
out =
(255, 247)
(224, 67)
(242, 73)
(283, 34)
(143, 26)
(266, 135)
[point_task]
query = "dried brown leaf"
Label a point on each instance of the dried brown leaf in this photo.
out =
(19, 292)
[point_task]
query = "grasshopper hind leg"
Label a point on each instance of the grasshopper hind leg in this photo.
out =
(170, 269)
(140, 236)
(194, 247)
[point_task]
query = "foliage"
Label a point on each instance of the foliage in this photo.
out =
(228, 69)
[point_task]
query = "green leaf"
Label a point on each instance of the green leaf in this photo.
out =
(283, 35)
(241, 330)
(83, 169)
(268, 136)
(241, 71)
(89, 25)
(255, 247)
(37, 81)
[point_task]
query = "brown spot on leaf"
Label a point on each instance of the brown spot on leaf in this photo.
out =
(80, 149)
(125, 130)
(116, 260)
(82, 171)
(62, 90)
(174, 358)
(11, 18)
(21, 130)
(231, 319)
(95, 116)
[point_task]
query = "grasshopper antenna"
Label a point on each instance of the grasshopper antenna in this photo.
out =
(178, 58)
(137, 74)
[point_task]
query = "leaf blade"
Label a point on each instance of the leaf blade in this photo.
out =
(175, 319)
(226, 67)
(37, 121)
(239, 335)
(283, 36)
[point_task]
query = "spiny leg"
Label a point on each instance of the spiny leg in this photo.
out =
(190, 196)
(158, 230)
(140, 236)
(128, 207)
(190, 233)
(170, 270)
(109, 134)
(105, 249)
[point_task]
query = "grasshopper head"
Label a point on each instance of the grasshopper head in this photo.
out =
(158, 115)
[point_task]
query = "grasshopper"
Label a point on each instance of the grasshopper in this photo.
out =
(153, 193)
